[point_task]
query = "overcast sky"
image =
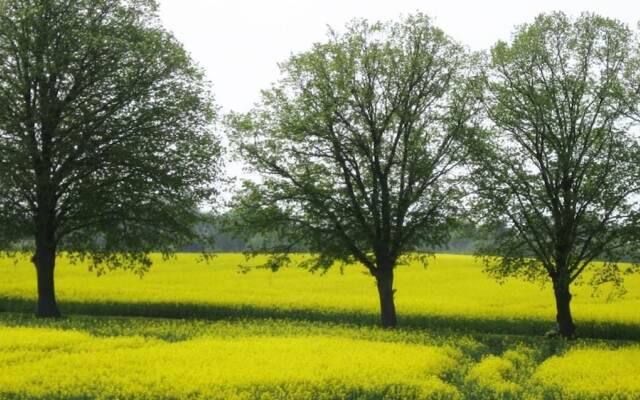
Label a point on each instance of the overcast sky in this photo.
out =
(240, 42)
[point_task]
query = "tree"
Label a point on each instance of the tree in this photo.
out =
(558, 173)
(105, 149)
(356, 148)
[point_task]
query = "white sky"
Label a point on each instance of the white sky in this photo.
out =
(240, 42)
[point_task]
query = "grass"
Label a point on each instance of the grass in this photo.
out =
(193, 330)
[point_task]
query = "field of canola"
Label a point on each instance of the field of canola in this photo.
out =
(194, 330)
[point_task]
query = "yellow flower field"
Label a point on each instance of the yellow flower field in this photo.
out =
(451, 285)
(41, 363)
(194, 330)
(593, 373)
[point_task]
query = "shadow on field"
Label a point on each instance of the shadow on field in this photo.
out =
(458, 324)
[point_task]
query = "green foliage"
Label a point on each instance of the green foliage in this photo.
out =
(356, 146)
(105, 143)
(557, 174)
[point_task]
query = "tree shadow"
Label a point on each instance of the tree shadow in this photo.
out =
(441, 323)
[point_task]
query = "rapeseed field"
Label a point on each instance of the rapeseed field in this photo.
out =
(197, 330)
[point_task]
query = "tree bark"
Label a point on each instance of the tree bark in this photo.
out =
(45, 262)
(566, 327)
(384, 281)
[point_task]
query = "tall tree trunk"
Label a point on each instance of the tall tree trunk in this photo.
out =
(45, 262)
(384, 280)
(566, 327)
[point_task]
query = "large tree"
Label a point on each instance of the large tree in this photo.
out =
(105, 147)
(558, 174)
(355, 150)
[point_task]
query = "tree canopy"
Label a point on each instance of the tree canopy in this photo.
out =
(558, 172)
(106, 150)
(356, 149)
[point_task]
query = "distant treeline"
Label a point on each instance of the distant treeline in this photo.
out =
(464, 240)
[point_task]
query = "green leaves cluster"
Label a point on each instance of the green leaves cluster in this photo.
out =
(357, 145)
(105, 130)
(379, 141)
(558, 175)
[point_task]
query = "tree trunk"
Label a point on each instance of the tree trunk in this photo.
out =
(45, 262)
(566, 327)
(384, 280)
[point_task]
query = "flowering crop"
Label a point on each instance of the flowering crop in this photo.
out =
(294, 335)
(49, 363)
